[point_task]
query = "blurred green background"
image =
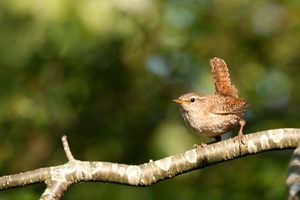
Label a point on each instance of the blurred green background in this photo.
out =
(104, 73)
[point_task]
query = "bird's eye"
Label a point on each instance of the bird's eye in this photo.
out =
(192, 100)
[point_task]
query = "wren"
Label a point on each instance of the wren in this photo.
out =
(212, 115)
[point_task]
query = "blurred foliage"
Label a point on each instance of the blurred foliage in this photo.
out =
(104, 73)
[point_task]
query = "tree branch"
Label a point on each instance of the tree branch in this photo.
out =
(59, 178)
(293, 176)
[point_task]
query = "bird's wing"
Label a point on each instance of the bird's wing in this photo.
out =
(230, 105)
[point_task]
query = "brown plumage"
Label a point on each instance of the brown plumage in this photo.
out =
(222, 78)
(215, 114)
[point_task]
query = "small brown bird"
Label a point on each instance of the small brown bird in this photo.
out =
(215, 114)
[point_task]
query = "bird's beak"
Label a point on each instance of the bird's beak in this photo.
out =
(179, 101)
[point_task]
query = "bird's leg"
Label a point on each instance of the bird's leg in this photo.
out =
(217, 139)
(239, 137)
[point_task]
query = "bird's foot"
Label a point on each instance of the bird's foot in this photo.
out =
(195, 146)
(217, 139)
(239, 138)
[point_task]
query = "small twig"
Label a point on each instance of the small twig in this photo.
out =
(67, 148)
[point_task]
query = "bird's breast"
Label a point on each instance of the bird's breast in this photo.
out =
(210, 124)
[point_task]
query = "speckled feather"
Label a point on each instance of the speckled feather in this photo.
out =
(229, 105)
(222, 78)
